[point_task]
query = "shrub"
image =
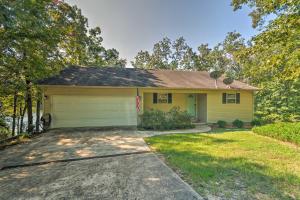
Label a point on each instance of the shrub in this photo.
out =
(153, 119)
(256, 122)
(285, 131)
(272, 118)
(159, 120)
(4, 133)
(3, 123)
(176, 119)
(221, 124)
(238, 123)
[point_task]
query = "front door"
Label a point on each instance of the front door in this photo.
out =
(191, 105)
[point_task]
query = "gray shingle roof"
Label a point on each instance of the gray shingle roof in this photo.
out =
(130, 77)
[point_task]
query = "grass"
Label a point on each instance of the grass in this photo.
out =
(234, 164)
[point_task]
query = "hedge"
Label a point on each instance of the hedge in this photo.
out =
(285, 131)
(159, 120)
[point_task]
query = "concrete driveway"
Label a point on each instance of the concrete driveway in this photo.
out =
(88, 165)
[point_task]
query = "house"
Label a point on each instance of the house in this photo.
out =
(111, 96)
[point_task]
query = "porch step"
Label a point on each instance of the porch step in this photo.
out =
(199, 123)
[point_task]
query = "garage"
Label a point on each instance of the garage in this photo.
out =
(92, 111)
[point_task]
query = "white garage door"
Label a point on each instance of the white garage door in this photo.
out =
(89, 111)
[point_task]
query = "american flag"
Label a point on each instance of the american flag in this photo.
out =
(138, 102)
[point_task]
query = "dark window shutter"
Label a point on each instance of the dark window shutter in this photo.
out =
(224, 98)
(238, 97)
(169, 98)
(154, 98)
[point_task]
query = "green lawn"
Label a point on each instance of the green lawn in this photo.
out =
(233, 164)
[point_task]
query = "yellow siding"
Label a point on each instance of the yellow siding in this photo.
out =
(215, 109)
(89, 111)
(229, 112)
(83, 91)
(179, 99)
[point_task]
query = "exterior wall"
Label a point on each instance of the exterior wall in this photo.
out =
(178, 99)
(84, 91)
(216, 110)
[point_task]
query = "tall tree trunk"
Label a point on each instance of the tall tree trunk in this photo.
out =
(38, 110)
(14, 114)
(18, 125)
(29, 106)
(22, 117)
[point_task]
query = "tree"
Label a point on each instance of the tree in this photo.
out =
(166, 55)
(39, 38)
(232, 45)
(203, 61)
(272, 60)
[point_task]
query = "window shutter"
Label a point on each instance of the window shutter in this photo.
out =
(238, 97)
(169, 98)
(224, 98)
(154, 98)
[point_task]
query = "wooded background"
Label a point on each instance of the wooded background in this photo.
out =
(41, 37)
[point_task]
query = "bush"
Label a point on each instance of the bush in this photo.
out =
(238, 123)
(4, 133)
(221, 124)
(256, 122)
(153, 119)
(3, 123)
(272, 118)
(159, 120)
(285, 131)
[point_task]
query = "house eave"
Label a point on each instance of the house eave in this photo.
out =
(158, 88)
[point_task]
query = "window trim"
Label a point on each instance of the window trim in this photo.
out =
(169, 98)
(227, 98)
(230, 98)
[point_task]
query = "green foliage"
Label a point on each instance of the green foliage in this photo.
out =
(153, 119)
(39, 38)
(261, 9)
(256, 122)
(221, 124)
(176, 119)
(284, 131)
(166, 55)
(178, 55)
(4, 133)
(238, 123)
(158, 120)
(2, 122)
(271, 61)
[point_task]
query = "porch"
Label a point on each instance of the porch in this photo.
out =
(194, 103)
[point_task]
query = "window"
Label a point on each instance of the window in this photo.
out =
(162, 98)
(231, 98)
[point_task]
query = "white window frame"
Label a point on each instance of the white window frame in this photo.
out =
(231, 97)
(162, 98)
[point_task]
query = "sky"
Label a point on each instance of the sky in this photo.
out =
(133, 25)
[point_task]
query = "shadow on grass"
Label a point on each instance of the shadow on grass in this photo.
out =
(226, 130)
(227, 178)
(193, 137)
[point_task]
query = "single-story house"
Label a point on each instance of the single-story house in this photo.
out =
(112, 96)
